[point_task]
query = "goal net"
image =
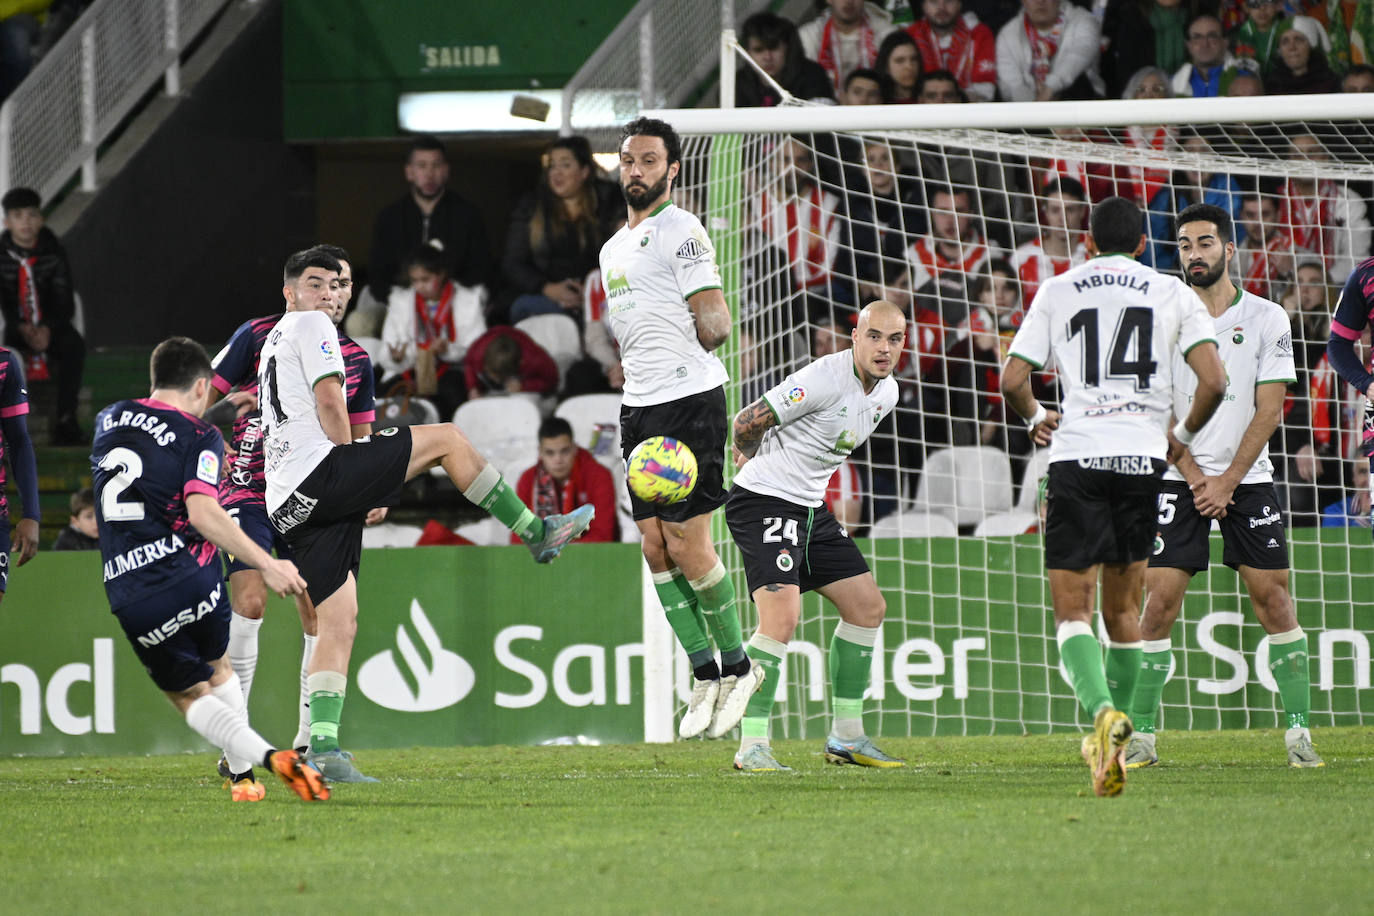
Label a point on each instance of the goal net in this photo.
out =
(957, 213)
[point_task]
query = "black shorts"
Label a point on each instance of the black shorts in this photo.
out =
(786, 544)
(322, 520)
(1101, 510)
(178, 632)
(252, 517)
(700, 421)
(1252, 533)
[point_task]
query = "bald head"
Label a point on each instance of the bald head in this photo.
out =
(878, 341)
(879, 310)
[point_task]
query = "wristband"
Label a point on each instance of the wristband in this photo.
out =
(1181, 433)
(1038, 417)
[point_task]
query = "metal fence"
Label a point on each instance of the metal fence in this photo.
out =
(661, 55)
(53, 124)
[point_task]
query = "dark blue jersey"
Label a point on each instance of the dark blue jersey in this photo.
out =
(146, 459)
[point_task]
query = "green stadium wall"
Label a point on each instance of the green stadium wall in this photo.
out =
(472, 645)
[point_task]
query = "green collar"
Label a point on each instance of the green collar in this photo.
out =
(1113, 254)
(661, 207)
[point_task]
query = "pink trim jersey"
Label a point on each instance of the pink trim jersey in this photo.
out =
(14, 402)
(147, 458)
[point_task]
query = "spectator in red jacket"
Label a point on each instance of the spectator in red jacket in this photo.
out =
(953, 40)
(565, 476)
(505, 360)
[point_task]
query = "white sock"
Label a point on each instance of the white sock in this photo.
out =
(303, 719)
(231, 694)
(243, 650)
(220, 725)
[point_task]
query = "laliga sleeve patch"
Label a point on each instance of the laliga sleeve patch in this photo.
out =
(795, 395)
(207, 468)
(327, 349)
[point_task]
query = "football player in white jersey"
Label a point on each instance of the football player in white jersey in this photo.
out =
(1226, 475)
(787, 445)
(321, 484)
(1113, 327)
(668, 312)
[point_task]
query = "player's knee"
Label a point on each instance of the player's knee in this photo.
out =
(251, 605)
(655, 553)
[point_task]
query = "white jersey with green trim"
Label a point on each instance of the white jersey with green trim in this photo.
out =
(1256, 347)
(302, 349)
(649, 273)
(1113, 326)
(823, 414)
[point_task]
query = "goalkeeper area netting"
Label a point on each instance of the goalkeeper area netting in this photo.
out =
(957, 219)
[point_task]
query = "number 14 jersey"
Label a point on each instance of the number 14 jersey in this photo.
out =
(1113, 326)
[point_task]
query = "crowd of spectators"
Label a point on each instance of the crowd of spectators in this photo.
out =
(958, 237)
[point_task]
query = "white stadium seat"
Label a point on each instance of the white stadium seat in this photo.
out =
(504, 429)
(390, 534)
(558, 335)
(1004, 523)
(965, 483)
(910, 523)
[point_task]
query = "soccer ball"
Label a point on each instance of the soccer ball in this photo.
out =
(661, 470)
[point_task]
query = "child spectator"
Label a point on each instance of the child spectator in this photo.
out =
(1353, 510)
(1258, 36)
(567, 475)
(772, 43)
(80, 533)
(505, 360)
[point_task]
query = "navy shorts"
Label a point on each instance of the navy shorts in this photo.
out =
(698, 420)
(783, 543)
(251, 516)
(323, 518)
(1252, 532)
(178, 632)
(1101, 510)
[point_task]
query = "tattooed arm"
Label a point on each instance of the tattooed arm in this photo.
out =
(750, 425)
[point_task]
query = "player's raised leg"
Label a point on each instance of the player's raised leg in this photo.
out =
(444, 444)
(862, 609)
(1288, 660)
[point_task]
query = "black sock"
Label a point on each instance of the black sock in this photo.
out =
(707, 672)
(737, 669)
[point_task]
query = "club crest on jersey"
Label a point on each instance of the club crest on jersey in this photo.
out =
(1238, 338)
(1159, 545)
(784, 560)
(795, 395)
(207, 468)
(644, 242)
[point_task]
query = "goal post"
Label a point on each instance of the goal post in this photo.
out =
(799, 202)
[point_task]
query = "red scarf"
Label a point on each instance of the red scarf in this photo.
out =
(545, 495)
(32, 313)
(1260, 271)
(429, 328)
(1308, 218)
(927, 250)
(1320, 384)
(1043, 47)
(1145, 183)
(807, 227)
(826, 54)
(957, 58)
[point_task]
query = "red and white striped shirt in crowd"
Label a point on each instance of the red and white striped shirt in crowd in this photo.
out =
(1333, 222)
(808, 223)
(969, 51)
(1033, 266)
(1142, 184)
(928, 259)
(843, 486)
(1262, 269)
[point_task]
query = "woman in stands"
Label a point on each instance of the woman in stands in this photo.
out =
(557, 230)
(899, 59)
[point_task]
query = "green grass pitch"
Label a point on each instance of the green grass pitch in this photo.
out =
(973, 825)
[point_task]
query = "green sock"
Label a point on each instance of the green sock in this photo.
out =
(491, 492)
(716, 598)
(1288, 662)
(768, 653)
(326, 709)
(1082, 655)
(851, 667)
(680, 607)
(1155, 660)
(1122, 670)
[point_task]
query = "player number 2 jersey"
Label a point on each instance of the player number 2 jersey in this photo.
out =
(649, 273)
(1113, 326)
(1256, 347)
(302, 349)
(823, 414)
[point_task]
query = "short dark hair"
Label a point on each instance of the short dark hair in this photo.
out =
(501, 359)
(177, 363)
(769, 29)
(1069, 187)
(863, 73)
(1208, 213)
(426, 143)
(1115, 225)
(426, 257)
(335, 252)
(940, 76)
(81, 500)
(310, 257)
(20, 199)
(554, 427)
(1359, 70)
(652, 127)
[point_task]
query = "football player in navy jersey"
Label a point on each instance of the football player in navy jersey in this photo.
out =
(1354, 314)
(155, 466)
(242, 488)
(14, 440)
